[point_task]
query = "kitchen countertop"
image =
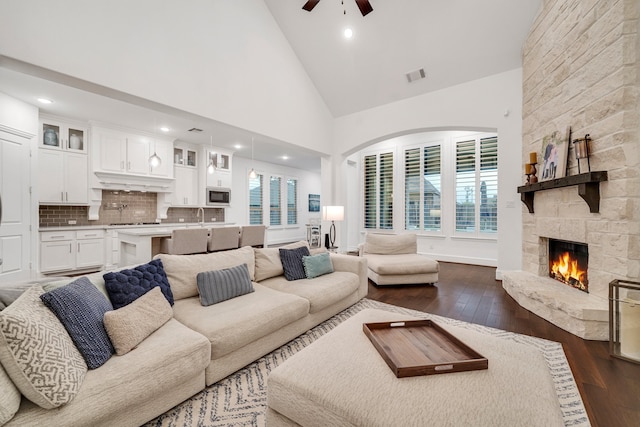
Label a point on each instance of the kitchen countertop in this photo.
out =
(171, 226)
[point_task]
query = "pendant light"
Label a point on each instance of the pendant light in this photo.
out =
(154, 159)
(211, 168)
(252, 172)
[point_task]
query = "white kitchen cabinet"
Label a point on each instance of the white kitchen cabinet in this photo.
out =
(71, 250)
(186, 186)
(62, 177)
(89, 248)
(56, 251)
(128, 153)
(164, 150)
(221, 177)
(59, 134)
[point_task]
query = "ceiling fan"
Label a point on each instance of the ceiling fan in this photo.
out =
(363, 5)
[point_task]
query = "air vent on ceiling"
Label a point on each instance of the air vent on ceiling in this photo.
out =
(416, 75)
(195, 130)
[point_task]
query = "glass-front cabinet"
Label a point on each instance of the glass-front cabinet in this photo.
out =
(60, 135)
(184, 156)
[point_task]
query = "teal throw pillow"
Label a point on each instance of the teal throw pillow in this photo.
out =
(317, 265)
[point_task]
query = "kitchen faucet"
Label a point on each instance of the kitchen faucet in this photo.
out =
(198, 215)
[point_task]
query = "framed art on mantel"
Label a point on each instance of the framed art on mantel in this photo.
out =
(555, 148)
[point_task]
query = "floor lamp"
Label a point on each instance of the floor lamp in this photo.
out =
(332, 213)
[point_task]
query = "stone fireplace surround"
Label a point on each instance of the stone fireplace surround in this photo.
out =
(580, 69)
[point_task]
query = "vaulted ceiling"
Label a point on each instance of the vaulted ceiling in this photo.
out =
(454, 41)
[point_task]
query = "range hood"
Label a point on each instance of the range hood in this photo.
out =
(117, 181)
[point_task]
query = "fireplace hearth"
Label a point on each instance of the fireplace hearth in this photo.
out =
(568, 263)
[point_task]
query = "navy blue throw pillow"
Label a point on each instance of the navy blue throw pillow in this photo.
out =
(126, 286)
(292, 262)
(80, 307)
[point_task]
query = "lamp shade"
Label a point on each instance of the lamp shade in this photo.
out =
(333, 213)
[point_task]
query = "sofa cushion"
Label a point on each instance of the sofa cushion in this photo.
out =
(38, 353)
(317, 265)
(164, 370)
(80, 307)
(401, 264)
(182, 270)
(236, 322)
(9, 398)
(268, 262)
(390, 244)
(322, 291)
(292, 262)
(130, 325)
(125, 286)
(220, 285)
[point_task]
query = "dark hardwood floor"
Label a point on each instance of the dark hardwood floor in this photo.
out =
(610, 387)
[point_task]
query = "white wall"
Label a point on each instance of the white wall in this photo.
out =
(224, 60)
(308, 182)
(494, 102)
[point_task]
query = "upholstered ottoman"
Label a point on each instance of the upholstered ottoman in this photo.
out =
(341, 380)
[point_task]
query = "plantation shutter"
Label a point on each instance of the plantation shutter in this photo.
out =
(489, 185)
(465, 185)
(292, 201)
(412, 189)
(432, 187)
(370, 199)
(255, 200)
(386, 191)
(275, 213)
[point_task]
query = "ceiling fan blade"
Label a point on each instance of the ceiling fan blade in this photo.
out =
(310, 4)
(364, 6)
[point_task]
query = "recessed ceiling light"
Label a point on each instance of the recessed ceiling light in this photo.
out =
(45, 101)
(348, 33)
(237, 146)
(165, 129)
(285, 157)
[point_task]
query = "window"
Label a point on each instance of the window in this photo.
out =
(422, 187)
(275, 214)
(292, 201)
(255, 200)
(477, 185)
(378, 191)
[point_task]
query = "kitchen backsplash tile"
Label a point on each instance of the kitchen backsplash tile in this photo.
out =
(120, 207)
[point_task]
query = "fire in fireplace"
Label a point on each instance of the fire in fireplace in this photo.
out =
(568, 263)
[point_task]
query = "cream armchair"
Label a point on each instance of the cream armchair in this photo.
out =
(393, 259)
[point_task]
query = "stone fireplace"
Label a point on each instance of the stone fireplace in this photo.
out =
(580, 69)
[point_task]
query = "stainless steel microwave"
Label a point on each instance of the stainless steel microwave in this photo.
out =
(218, 196)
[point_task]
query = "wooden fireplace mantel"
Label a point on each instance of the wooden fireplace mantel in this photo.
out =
(588, 188)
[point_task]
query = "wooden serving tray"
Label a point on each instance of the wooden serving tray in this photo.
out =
(421, 347)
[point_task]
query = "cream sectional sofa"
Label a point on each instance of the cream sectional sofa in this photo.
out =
(200, 344)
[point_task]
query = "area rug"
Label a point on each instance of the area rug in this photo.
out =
(241, 398)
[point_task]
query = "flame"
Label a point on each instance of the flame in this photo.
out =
(566, 269)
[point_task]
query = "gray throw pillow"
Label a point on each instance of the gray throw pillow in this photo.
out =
(292, 262)
(80, 307)
(220, 285)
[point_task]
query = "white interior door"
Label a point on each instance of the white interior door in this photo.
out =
(15, 234)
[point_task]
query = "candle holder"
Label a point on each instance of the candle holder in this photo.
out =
(533, 179)
(581, 147)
